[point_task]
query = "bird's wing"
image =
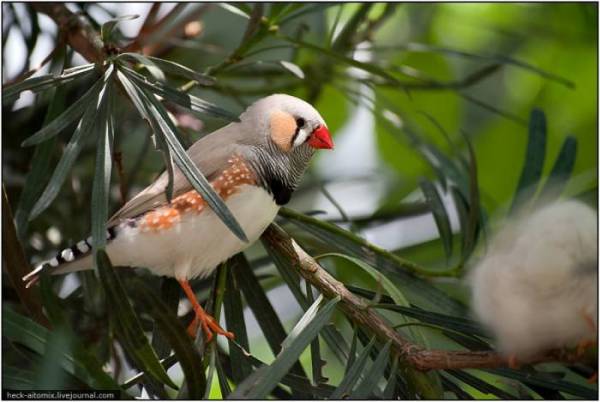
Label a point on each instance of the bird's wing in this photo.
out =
(210, 154)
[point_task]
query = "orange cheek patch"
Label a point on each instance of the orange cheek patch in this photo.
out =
(283, 127)
(225, 185)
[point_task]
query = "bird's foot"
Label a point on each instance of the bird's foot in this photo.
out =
(192, 329)
(209, 326)
(202, 318)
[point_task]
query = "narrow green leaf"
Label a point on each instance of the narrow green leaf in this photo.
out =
(67, 117)
(428, 384)
(66, 161)
(365, 388)
(24, 331)
(389, 287)
(107, 28)
(263, 310)
(37, 84)
(308, 9)
(451, 386)
(417, 290)
(157, 113)
(480, 385)
(158, 140)
(170, 291)
(353, 373)
(561, 171)
(152, 68)
(352, 353)
(534, 159)
(294, 381)
(101, 185)
(268, 377)
(306, 319)
(496, 58)
(440, 215)
(49, 374)
(280, 10)
(179, 70)
(234, 317)
(541, 380)
(172, 329)
(223, 383)
(42, 155)
(211, 370)
(390, 389)
(368, 67)
(463, 219)
(343, 42)
(292, 68)
(476, 217)
(181, 98)
(132, 92)
(317, 362)
(17, 378)
(133, 338)
(237, 8)
(459, 324)
(446, 168)
(55, 311)
(331, 335)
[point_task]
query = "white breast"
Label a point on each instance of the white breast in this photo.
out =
(194, 247)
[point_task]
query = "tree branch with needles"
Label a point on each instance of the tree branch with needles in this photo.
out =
(360, 311)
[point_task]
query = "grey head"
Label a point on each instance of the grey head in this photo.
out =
(285, 132)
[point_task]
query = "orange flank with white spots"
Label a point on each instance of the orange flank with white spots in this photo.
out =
(225, 185)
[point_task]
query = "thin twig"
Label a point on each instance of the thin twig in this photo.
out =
(80, 34)
(149, 21)
(359, 311)
(162, 45)
(16, 265)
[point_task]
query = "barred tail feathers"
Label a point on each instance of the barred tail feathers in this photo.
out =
(75, 258)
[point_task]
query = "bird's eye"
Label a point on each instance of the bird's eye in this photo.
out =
(300, 122)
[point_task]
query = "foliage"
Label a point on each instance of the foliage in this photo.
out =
(470, 102)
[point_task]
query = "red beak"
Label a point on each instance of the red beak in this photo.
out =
(320, 138)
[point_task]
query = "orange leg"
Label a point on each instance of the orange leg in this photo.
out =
(593, 379)
(208, 323)
(192, 329)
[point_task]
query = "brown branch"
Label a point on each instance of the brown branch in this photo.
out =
(80, 34)
(16, 265)
(149, 22)
(358, 310)
(152, 45)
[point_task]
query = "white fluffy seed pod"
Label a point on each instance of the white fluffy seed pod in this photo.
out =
(536, 287)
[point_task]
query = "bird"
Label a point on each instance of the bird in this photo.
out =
(254, 165)
(536, 288)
